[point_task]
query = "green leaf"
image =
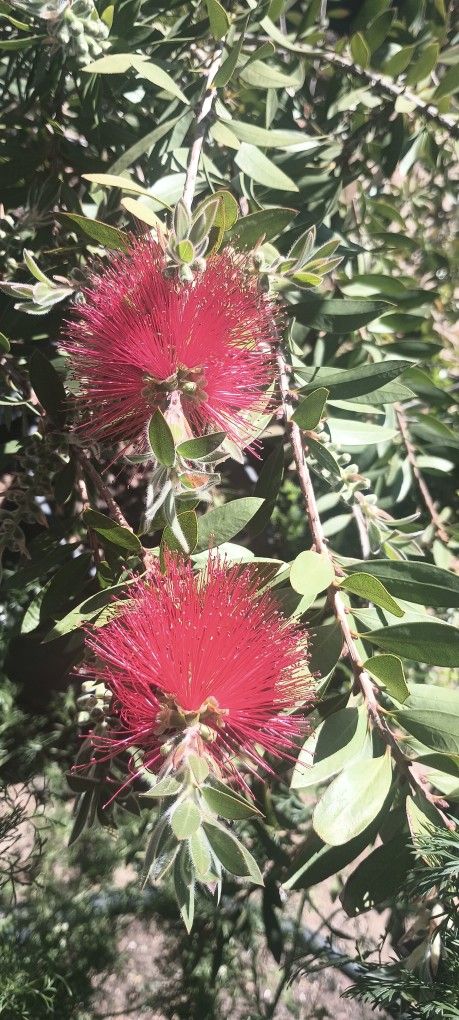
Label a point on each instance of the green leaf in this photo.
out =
(259, 168)
(223, 801)
(48, 386)
(429, 641)
(185, 819)
(325, 646)
(415, 581)
(184, 887)
(336, 315)
(116, 63)
(311, 573)
(155, 74)
(161, 439)
(115, 181)
(345, 383)
(199, 449)
(109, 237)
(348, 432)
(166, 787)
(378, 878)
(266, 224)
(66, 583)
(262, 76)
(448, 85)
(185, 251)
(338, 740)
(218, 19)
(227, 210)
(398, 61)
(112, 532)
(353, 800)
(227, 849)
(200, 853)
(188, 524)
(141, 211)
(143, 145)
(422, 817)
(372, 590)
(227, 69)
(431, 714)
(359, 49)
(199, 768)
(272, 138)
(388, 670)
(4, 343)
(21, 43)
(422, 67)
(88, 610)
(316, 861)
(323, 456)
(309, 412)
(223, 523)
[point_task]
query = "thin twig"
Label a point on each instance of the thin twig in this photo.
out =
(420, 481)
(384, 85)
(362, 679)
(202, 115)
(111, 504)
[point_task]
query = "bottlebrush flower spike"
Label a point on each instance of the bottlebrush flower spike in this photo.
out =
(144, 340)
(201, 664)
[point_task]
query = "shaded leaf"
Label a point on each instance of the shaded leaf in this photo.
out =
(353, 800)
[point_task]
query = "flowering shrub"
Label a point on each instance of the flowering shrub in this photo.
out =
(230, 363)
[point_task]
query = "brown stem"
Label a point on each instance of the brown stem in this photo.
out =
(111, 504)
(362, 679)
(420, 481)
(202, 116)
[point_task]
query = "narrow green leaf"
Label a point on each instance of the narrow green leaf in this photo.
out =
(429, 641)
(155, 74)
(227, 69)
(109, 237)
(345, 383)
(347, 432)
(359, 49)
(184, 886)
(223, 801)
(188, 524)
(372, 590)
(260, 75)
(259, 168)
(200, 853)
(336, 315)
(388, 670)
(353, 800)
(325, 646)
(141, 211)
(227, 849)
(166, 787)
(48, 386)
(4, 343)
(199, 449)
(309, 412)
(116, 63)
(415, 581)
(66, 584)
(161, 439)
(218, 19)
(316, 861)
(112, 532)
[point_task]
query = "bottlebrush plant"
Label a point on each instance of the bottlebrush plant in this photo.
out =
(230, 363)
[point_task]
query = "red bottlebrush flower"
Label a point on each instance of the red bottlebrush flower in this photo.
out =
(203, 663)
(143, 340)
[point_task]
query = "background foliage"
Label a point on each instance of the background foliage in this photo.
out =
(334, 127)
